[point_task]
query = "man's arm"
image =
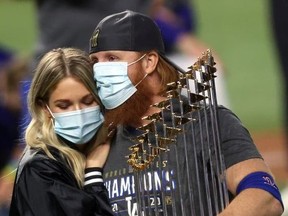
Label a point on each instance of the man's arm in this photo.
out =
(251, 201)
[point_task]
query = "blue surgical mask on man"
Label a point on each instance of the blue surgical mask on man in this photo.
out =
(78, 126)
(113, 84)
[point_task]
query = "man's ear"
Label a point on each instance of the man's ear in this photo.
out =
(152, 61)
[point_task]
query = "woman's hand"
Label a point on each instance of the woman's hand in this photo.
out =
(98, 154)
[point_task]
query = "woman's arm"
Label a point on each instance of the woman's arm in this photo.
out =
(47, 187)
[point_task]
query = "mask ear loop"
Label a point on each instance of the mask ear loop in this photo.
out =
(141, 80)
(53, 117)
(131, 63)
(136, 62)
(49, 110)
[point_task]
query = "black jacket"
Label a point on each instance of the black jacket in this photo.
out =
(44, 186)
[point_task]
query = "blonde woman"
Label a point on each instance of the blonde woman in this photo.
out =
(60, 172)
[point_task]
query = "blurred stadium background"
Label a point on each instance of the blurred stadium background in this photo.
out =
(241, 34)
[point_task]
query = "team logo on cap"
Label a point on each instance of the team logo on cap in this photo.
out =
(93, 40)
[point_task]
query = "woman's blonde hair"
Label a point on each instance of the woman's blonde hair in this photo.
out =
(52, 68)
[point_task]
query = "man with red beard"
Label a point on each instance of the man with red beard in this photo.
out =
(132, 73)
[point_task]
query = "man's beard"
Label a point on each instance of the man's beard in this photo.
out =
(131, 111)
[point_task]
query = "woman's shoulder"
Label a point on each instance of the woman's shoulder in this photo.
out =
(32, 155)
(37, 161)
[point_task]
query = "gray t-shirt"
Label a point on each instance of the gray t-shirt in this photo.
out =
(191, 152)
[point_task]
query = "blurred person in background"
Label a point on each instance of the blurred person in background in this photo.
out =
(75, 21)
(12, 71)
(279, 23)
(177, 20)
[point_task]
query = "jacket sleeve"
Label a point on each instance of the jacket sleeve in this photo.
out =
(47, 187)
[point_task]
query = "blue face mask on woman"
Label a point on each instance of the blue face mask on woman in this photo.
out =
(78, 126)
(113, 84)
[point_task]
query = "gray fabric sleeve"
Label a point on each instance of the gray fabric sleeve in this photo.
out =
(237, 143)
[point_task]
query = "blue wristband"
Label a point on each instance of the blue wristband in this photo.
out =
(260, 180)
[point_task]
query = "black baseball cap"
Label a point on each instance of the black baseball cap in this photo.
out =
(129, 31)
